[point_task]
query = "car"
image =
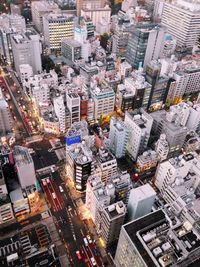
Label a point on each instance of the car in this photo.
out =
(61, 189)
(78, 254)
(85, 241)
(48, 180)
(44, 182)
(93, 261)
(69, 208)
(52, 169)
(54, 195)
(15, 118)
(18, 91)
(95, 251)
(89, 239)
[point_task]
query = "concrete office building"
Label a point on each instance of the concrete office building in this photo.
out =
(139, 125)
(162, 147)
(165, 122)
(41, 8)
(26, 71)
(20, 202)
(26, 50)
(73, 104)
(147, 160)
(140, 201)
(120, 41)
(6, 122)
(107, 164)
(104, 100)
(148, 241)
(182, 18)
(167, 171)
(71, 49)
(80, 4)
(112, 218)
(118, 137)
(25, 166)
(60, 111)
(57, 27)
(80, 165)
(151, 38)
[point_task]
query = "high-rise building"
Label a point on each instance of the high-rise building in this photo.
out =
(104, 100)
(57, 27)
(165, 122)
(60, 111)
(144, 44)
(107, 164)
(160, 85)
(182, 18)
(80, 165)
(167, 171)
(6, 122)
(39, 9)
(26, 50)
(140, 201)
(112, 219)
(73, 104)
(120, 41)
(118, 137)
(162, 147)
(139, 125)
(25, 166)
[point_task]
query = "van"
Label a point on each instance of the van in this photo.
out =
(61, 189)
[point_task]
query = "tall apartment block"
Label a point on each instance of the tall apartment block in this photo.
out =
(118, 137)
(111, 222)
(182, 18)
(73, 104)
(144, 44)
(26, 50)
(57, 27)
(139, 125)
(39, 9)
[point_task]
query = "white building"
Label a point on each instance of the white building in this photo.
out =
(167, 171)
(60, 112)
(162, 147)
(104, 100)
(25, 166)
(73, 104)
(20, 202)
(26, 50)
(25, 72)
(147, 160)
(107, 164)
(39, 9)
(6, 122)
(96, 14)
(140, 201)
(57, 27)
(103, 26)
(112, 218)
(182, 18)
(118, 137)
(139, 125)
(16, 22)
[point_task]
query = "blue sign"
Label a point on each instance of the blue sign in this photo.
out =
(70, 140)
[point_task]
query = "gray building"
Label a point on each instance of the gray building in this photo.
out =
(6, 123)
(144, 44)
(175, 133)
(112, 218)
(71, 49)
(27, 50)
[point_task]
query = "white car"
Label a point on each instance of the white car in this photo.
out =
(85, 241)
(61, 189)
(89, 239)
(93, 261)
(54, 195)
(48, 180)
